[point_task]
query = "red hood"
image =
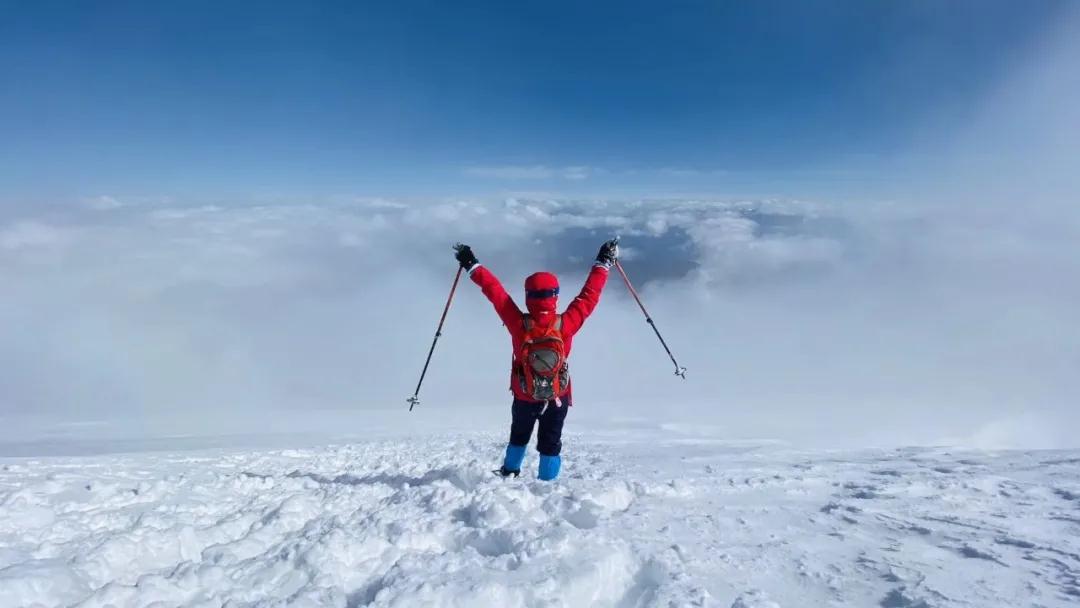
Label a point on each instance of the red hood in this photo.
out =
(542, 307)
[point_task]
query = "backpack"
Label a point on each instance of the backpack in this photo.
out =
(545, 375)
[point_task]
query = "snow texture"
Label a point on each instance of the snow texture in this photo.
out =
(635, 521)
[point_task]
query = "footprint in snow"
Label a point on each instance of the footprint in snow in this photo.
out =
(754, 599)
(899, 598)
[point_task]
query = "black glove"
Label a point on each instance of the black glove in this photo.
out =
(609, 254)
(464, 255)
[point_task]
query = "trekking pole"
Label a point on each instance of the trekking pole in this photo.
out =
(438, 332)
(679, 371)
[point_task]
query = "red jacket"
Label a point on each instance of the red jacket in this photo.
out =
(542, 311)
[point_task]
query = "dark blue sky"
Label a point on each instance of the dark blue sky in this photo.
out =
(226, 99)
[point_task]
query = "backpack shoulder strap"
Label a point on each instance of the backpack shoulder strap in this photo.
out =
(527, 320)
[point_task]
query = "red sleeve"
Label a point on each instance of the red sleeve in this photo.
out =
(493, 289)
(585, 302)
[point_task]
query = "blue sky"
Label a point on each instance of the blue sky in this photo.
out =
(217, 100)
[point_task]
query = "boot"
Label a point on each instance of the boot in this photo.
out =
(515, 455)
(549, 467)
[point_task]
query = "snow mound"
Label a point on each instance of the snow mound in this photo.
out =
(632, 524)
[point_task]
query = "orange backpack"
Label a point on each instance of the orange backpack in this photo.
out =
(545, 375)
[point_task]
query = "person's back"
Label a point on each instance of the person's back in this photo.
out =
(529, 382)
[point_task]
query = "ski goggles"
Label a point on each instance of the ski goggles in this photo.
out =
(539, 294)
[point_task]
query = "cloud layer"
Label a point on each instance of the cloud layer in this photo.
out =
(805, 321)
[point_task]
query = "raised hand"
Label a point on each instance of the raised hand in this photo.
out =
(609, 254)
(464, 255)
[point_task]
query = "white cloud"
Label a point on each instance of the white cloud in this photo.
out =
(103, 203)
(31, 234)
(511, 172)
(532, 172)
(690, 172)
(879, 322)
(575, 173)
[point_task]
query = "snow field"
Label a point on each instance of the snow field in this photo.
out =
(638, 521)
(347, 526)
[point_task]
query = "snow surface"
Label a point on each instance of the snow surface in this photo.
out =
(639, 519)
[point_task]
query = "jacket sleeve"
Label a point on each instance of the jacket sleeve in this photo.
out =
(585, 302)
(504, 305)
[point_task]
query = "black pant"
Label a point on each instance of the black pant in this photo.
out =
(549, 438)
